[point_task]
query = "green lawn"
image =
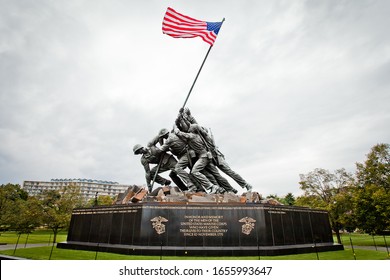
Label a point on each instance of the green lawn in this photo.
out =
(43, 253)
(38, 236)
(46, 252)
(364, 240)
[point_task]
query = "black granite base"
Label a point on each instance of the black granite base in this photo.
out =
(200, 229)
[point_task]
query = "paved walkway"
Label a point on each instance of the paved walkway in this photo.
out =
(378, 248)
(4, 247)
(22, 246)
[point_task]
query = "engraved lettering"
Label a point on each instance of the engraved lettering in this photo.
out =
(200, 226)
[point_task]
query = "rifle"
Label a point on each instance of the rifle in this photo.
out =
(155, 174)
(215, 148)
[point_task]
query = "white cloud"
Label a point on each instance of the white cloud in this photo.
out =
(288, 87)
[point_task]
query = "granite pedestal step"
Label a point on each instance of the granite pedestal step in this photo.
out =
(203, 251)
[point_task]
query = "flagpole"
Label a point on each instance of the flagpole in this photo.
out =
(200, 69)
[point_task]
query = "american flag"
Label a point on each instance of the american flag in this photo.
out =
(180, 26)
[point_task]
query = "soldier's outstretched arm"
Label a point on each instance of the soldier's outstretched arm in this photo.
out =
(165, 147)
(153, 142)
(181, 134)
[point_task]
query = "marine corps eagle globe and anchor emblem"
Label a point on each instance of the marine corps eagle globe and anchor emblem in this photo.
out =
(157, 223)
(248, 226)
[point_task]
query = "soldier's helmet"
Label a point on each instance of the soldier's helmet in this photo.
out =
(163, 132)
(136, 148)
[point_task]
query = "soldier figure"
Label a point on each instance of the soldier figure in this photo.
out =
(178, 148)
(185, 119)
(195, 149)
(196, 143)
(225, 168)
(164, 161)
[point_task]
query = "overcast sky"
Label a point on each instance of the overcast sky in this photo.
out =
(289, 86)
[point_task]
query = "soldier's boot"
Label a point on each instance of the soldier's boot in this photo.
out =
(215, 189)
(248, 187)
(192, 188)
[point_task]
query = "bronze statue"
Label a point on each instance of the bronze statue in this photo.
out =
(179, 148)
(184, 121)
(195, 149)
(164, 161)
(196, 143)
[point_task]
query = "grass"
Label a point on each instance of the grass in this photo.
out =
(359, 239)
(45, 253)
(38, 236)
(50, 252)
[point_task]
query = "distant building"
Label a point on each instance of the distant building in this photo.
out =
(88, 187)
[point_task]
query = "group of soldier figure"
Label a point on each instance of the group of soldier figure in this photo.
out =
(191, 147)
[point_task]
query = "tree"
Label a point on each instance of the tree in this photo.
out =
(342, 208)
(312, 201)
(27, 215)
(372, 200)
(101, 200)
(289, 199)
(372, 209)
(57, 207)
(376, 169)
(326, 190)
(10, 197)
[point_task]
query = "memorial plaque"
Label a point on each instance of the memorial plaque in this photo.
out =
(200, 229)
